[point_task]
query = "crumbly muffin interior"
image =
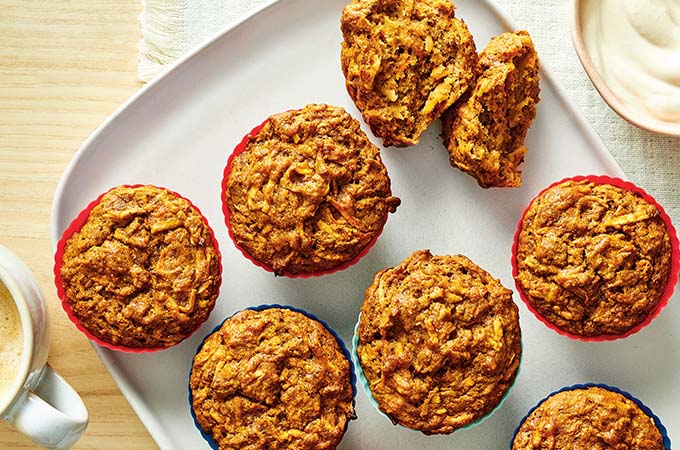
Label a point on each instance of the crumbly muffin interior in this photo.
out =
(439, 342)
(592, 418)
(405, 62)
(593, 259)
(485, 132)
(272, 380)
(309, 192)
(142, 271)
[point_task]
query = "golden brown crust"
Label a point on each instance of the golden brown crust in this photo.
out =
(485, 132)
(588, 419)
(142, 271)
(439, 342)
(309, 192)
(272, 380)
(405, 62)
(593, 259)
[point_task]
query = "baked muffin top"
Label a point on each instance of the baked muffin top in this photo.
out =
(593, 259)
(439, 342)
(143, 270)
(589, 418)
(404, 63)
(272, 379)
(309, 192)
(485, 132)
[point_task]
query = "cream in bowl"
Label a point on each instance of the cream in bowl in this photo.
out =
(630, 49)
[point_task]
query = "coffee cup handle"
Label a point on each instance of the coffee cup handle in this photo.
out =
(52, 415)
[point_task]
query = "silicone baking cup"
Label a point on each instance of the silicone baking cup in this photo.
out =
(642, 406)
(74, 227)
(352, 377)
(672, 276)
(363, 382)
(240, 148)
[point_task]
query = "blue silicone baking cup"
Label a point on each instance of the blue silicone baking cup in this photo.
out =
(642, 406)
(352, 376)
(364, 385)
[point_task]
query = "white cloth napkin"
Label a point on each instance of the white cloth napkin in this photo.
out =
(171, 27)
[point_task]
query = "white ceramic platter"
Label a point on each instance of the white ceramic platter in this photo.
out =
(178, 131)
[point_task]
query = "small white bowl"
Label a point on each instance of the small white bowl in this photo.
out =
(648, 123)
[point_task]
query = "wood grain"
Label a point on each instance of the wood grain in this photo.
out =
(64, 67)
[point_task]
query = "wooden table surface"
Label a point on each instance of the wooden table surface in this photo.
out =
(64, 67)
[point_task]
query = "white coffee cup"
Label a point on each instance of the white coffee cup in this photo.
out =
(37, 401)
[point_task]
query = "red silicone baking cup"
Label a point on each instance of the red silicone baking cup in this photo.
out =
(76, 226)
(672, 276)
(240, 148)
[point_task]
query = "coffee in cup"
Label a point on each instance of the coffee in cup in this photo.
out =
(11, 341)
(33, 396)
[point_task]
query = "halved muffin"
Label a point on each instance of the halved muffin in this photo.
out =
(404, 63)
(484, 133)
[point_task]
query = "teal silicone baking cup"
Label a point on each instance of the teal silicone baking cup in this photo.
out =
(352, 376)
(642, 406)
(363, 382)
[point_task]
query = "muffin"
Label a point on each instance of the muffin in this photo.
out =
(593, 257)
(139, 268)
(438, 342)
(307, 193)
(484, 133)
(404, 63)
(274, 379)
(588, 417)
